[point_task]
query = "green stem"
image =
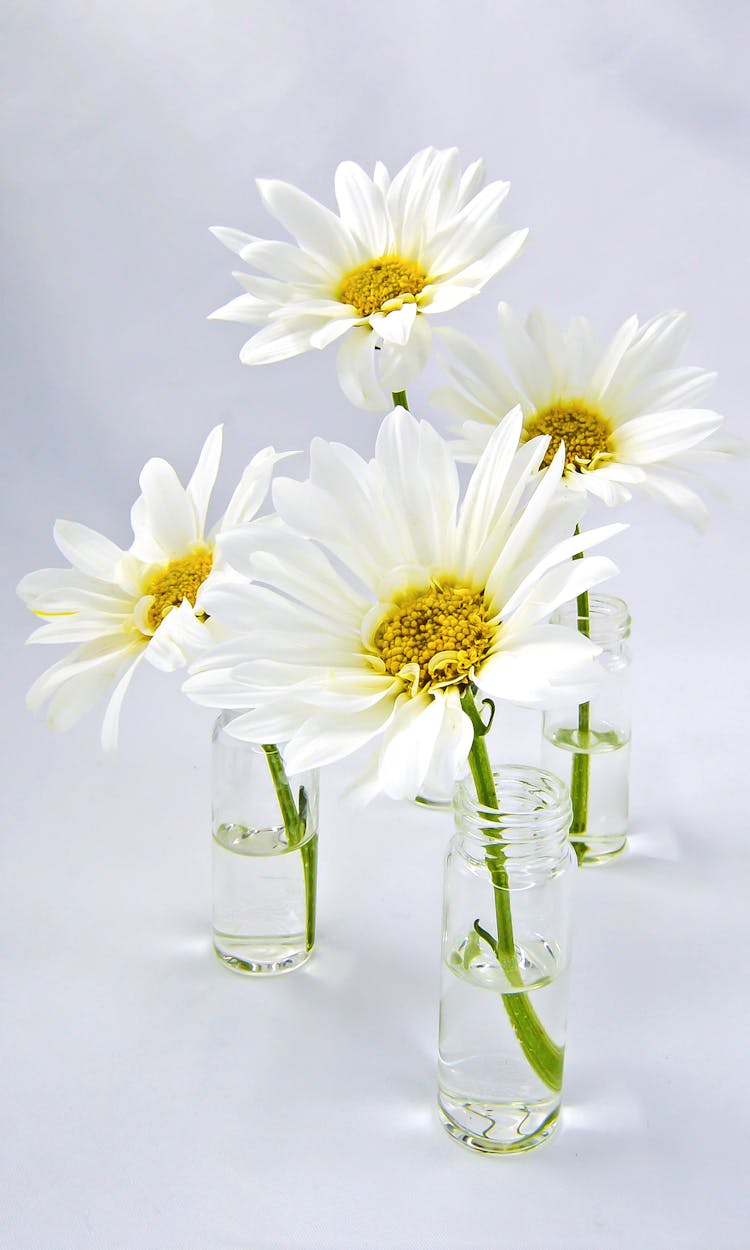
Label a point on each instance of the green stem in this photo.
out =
(543, 1054)
(295, 823)
(399, 399)
(581, 769)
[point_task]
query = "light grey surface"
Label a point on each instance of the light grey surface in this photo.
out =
(153, 1099)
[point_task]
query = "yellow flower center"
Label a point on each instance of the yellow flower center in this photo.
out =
(370, 286)
(585, 431)
(178, 580)
(435, 637)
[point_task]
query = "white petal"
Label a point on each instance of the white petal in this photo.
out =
(492, 260)
(472, 180)
(680, 498)
(479, 510)
(538, 597)
(407, 749)
(164, 514)
(51, 591)
(252, 488)
(294, 565)
(284, 261)
(111, 723)
(178, 639)
(88, 551)
(316, 229)
(201, 483)
(613, 356)
(422, 488)
(529, 365)
(451, 750)
(235, 240)
(79, 627)
(400, 366)
(654, 437)
(541, 667)
(281, 340)
(362, 208)
(356, 371)
(468, 235)
(331, 331)
(327, 737)
(243, 308)
(395, 327)
(445, 296)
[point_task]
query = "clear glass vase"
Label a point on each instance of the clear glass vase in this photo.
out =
(589, 745)
(506, 950)
(264, 846)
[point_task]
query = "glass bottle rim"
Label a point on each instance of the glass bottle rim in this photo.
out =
(609, 618)
(533, 804)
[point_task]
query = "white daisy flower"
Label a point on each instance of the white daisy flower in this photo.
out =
(400, 250)
(145, 603)
(627, 413)
(404, 599)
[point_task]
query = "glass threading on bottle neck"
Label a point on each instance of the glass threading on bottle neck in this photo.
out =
(608, 620)
(531, 820)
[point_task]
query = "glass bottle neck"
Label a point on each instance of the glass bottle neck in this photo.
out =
(607, 624)
(530, 823)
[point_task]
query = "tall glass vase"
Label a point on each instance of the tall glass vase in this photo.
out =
(506, 949)
(589, 745)
(264, 846)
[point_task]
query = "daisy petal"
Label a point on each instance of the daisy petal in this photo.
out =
(356, 371)
(362, 208)
(280, 340)
(316, 229)
(648, 439)
(540, 668)
(88, 551)
(400, 366)
(202, 481)
(165, 514)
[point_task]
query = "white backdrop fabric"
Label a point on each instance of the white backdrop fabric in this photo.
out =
(153, 1101)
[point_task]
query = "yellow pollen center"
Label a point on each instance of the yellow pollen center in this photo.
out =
(180, 579)
(373, 284)
(435, 637)
(585, 431)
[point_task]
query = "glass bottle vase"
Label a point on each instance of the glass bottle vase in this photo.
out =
(588, 745)
(264, 849)
(506, 950)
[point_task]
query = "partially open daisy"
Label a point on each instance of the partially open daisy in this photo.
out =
(626, 412)
(399, 251)
(426, 599)
(145, 603)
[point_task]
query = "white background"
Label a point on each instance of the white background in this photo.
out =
(154, 1101)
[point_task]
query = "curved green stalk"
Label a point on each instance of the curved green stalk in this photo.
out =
(295, 823)
(399, 399)
(543, 1054)
(580, 776)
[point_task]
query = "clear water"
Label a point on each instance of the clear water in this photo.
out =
(609, 775)
(489, 1096)
(259, 900)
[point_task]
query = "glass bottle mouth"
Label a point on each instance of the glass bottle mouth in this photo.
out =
(532, 806)
(608, 619)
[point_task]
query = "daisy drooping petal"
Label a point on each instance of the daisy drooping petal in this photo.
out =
(377, 598)
(399, 251)
(122, 607)
(628, 414)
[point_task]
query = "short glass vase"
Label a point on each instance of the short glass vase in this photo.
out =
(505, 961)
(588, 745)
(264, 849)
